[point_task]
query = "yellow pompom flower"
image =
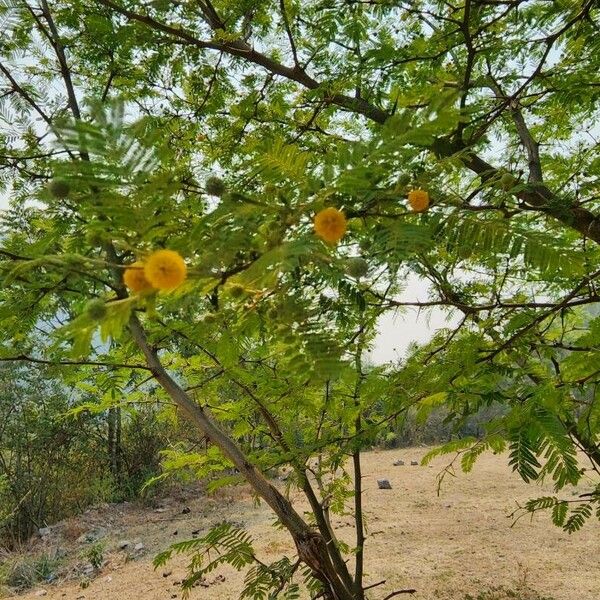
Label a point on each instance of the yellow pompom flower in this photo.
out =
(418, 200)
(134, 277)
(165, 269)
(330, 224)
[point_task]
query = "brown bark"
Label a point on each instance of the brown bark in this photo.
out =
(311, 546)
(358, 489)
(541, 198)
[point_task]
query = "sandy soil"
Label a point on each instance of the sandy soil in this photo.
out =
(444, 546)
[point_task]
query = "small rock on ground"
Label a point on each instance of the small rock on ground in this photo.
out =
(384, 484)
(93, 535)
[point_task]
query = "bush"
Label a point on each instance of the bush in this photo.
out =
(145, 435)
(53, 464)
(23, 572)
(436, 429)
(95, 554)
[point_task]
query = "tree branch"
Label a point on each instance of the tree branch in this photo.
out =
(531, 146)
(25, 95)
(312, 548)
(288, 30)
(29, 99)
(540, 197)
(242, 49)
(541, 317)
(358, 489)
(93, 363)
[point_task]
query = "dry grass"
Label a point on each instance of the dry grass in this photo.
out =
(455, 546)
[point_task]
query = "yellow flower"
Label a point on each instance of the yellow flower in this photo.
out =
(165, 269)
(418, 200)
(134, 278)
(330, 224)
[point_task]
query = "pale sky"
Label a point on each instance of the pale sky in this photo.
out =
(397, 330)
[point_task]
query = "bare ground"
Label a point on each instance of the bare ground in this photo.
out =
(446, 546)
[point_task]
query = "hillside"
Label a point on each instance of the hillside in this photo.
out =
(458, 543)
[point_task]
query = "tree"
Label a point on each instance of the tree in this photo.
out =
(40, 452)
(54, 459)
(129, 110)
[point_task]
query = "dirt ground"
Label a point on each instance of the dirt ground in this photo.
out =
(446, 546)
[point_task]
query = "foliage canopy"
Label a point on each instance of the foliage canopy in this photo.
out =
(218, 130)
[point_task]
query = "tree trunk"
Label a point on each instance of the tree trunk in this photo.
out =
(114, 442)
(311, 546)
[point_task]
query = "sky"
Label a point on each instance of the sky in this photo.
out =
(397, 330)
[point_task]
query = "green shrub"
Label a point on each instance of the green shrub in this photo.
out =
(24, 572)
(54, 463)
(438, 428)
(95, 554)
(48, 461)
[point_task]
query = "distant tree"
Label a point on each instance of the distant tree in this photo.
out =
(306, 158)
(54, 456)
(39, 452)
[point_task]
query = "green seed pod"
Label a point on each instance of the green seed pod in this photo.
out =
(96, 309)
(508, 181)
(357, 267)
(273, 313)
(94, 238)
(59, 188)
(236, 291)
(215, 186)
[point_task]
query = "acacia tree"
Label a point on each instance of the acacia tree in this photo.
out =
(128, 108)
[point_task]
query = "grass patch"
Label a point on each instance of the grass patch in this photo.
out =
(24, 572)
(503, 593)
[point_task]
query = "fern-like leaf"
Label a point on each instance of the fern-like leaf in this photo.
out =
(224, 544)
(523, 448)
(578, 517)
